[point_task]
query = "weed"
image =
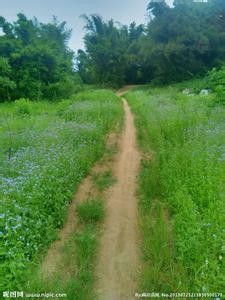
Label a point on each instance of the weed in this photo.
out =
(103, 180)
(23, 107)
(90, 211)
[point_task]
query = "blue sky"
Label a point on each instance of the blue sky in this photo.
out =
(124, 11)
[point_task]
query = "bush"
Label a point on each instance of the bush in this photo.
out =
(63, 89)
(216, 79)
(23, 107)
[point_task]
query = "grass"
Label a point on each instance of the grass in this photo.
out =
(103, 180)
(91, 211)
(184, 136)
(161, 271)
(75, 275)
(44, 154)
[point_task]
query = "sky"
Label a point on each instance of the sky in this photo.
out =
(124, 11)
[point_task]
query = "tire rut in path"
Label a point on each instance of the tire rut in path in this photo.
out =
(118, 258)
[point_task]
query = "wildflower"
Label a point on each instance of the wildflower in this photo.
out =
(220, 257)
(207, 224)
(16, 226)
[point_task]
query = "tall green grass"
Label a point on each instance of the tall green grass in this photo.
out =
(184, 135)
(75, 276)
(44, 155)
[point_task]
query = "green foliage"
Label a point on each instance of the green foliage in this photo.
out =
(81, 249)
(105, 66)
(35, 60)
(195, 85)
(76, 278)
(184, 40)
(82, 282)
(86, 247)
(23, 107)
(177, 44)
(111, 52)
(103, 180)
(50, 154)
(158, 8)
(90, 211)
(63, 106)
(216, 79)
(185, 137)
(6, 84)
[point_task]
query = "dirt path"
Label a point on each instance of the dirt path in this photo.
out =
(118, 261)
(118, 258)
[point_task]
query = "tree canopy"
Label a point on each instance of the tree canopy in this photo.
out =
(111, 51)
(35, 61)
(178, 43)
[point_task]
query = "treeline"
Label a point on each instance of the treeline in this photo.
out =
(35, 61)
(178, 43)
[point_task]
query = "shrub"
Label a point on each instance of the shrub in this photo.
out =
(216, 79)
(23, 107)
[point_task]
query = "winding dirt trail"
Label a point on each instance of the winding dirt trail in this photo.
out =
(119, 258)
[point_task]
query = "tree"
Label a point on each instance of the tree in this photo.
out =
(186, 40)
(39, 56)
(105, 46)
(111, 54)
(158, 7)
(6, 84)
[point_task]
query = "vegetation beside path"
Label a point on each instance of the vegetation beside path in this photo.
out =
(181, 194)
(46, 150)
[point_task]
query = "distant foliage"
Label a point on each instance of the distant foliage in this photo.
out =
(185, 40)
(111, 56)
(35, 61)
(7, 85)
(178, 43)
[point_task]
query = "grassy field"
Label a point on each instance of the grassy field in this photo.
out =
(182, 190)
(46, 150)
